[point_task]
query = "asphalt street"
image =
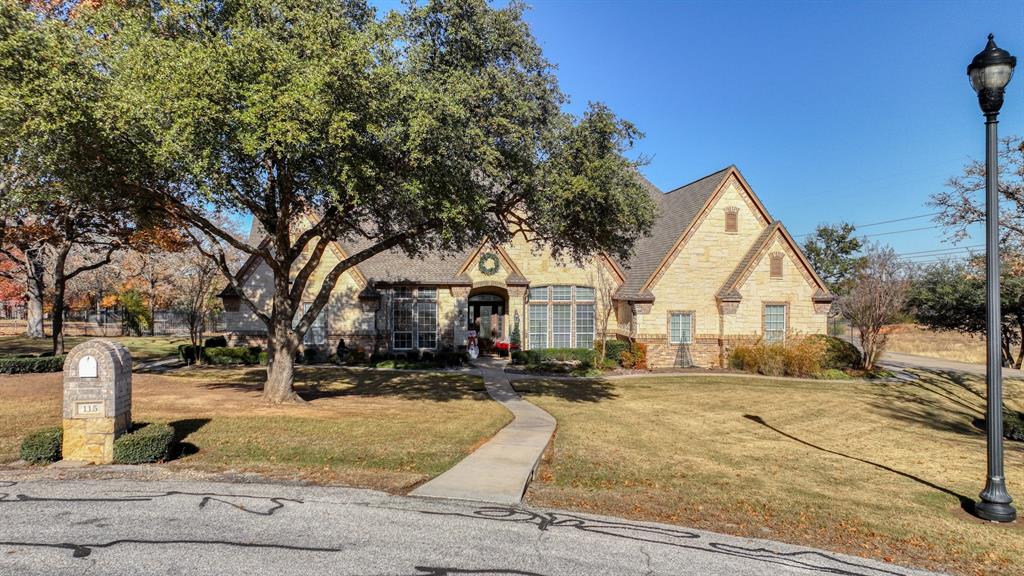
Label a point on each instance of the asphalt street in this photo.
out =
(94, 527)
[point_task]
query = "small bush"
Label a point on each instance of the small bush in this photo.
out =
(233, 355)
(216, 342)
(613, 349)
(520, 357)
(1013, 425)
(627, 360)
(583, 356)
(31, 364)
(838, 352)
(263, 358)
(188, 353)
(42, 446)
(833, 374)
(803, 357)
(146, 443)
(640, 354)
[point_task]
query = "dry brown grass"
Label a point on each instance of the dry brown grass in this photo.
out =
(912, 339)
(873, 469)
(372, 428)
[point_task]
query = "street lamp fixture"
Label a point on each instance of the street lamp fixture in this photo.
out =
(990, 72)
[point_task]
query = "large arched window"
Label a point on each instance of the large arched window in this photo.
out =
(561, 317)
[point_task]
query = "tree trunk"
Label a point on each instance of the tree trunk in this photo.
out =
(282, 344)
(58, 318)
(35, 289)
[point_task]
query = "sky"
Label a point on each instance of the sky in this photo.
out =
(833, 111)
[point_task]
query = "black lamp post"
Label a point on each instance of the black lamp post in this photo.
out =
(990, 72)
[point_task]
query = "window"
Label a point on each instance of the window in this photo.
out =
(776, 265)
(584, 293)
(561, 317)
(680, 329)
(538, 325)
(317, 333)
(414, 318)
(561, 325)
(561, 293)
(584, 325)
(402, 318)
(731, 220)
(774, 322)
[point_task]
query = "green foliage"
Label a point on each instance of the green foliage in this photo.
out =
(834, 374)
(233, 355)
(134, 311)
(951, 296)
(42, 446)
(515, 337)
(839, 353)
(188, 353)
(519, 357)
(216, 342)
(263, 358)
(30, 364)
(1013, 425)
(581, 357)
(145, 443)
(614, 348)
(800, 357)
(832, 251)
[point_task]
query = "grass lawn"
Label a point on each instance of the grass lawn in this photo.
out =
(142, 348)
(371, 428)
(911, 339)
(873, 469)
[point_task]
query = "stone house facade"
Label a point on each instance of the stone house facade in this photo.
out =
(716, 270)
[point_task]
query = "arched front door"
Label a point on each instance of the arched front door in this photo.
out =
(487, 318)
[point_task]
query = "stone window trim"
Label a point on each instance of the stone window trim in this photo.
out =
(415, 296)
(764, 317)
(732, 216)
(668, 326)
(775, 263)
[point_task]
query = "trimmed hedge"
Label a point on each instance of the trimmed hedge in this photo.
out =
(188, 353)
(232, 356)
(802, 357)
(216, 342)
(146, 443)
(1013, 425)
(30, 364)
(43, 445)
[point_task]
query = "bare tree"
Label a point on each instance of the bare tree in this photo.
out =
(605, 288)
(199, 283)
(876, 299)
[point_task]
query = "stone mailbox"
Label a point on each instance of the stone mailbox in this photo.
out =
(97, 400)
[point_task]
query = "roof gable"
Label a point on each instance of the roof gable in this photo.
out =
(729, 292)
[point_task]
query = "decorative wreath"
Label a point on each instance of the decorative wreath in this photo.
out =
(489, 263)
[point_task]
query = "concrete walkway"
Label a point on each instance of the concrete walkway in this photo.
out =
(500, 470)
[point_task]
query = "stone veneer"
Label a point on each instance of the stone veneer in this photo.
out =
(97, 400)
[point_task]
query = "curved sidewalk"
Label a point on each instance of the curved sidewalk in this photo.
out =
(500, 470)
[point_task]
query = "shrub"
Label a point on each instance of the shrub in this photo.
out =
(627, 359)
(31, 364)
(263, 358)
(233, 355)
(640, 354)
(802, 357)
(145, 443)
(1013, 425)
(216, 342)
(188, 353)
(613, 349)
(833, 374)
(583, 356)
(838, 352)
(42, 446)
(520, 357)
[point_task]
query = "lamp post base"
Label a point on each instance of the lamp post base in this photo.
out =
(995, 511)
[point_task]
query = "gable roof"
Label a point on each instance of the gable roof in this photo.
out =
(676, 212)
(729, 292)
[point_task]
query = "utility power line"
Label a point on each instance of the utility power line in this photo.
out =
(901, 231)
(870, 224)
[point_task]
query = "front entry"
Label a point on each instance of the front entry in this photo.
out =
(487, 318)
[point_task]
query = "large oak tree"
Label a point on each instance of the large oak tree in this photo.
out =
(419, 130)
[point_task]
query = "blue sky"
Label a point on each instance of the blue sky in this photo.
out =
(853, 111)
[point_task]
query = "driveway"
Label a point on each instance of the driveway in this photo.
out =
(117, 526)
(897, 360)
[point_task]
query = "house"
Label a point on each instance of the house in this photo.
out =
(717, 270)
